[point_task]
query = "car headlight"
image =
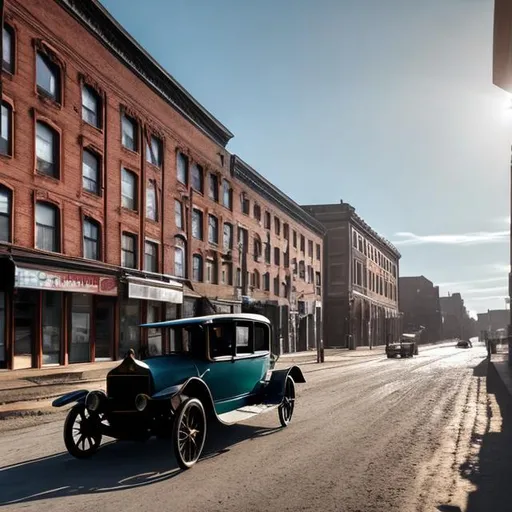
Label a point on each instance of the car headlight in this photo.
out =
(141, 402)
(93, 401)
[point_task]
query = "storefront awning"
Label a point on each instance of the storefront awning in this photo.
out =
(151, 289)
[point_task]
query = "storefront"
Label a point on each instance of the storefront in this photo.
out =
(54, 316)
(146, 301)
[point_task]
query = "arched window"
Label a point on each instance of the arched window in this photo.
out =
(256, 280)
(197, 267)
(180, 251)
(47, 150)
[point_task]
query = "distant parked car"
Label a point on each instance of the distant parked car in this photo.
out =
(464, 344)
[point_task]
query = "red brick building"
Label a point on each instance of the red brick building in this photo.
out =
(360, 279)
(119, 203)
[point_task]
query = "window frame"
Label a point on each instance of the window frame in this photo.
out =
(178, 208)
(180, 246)
(11, 31)
(229, 246)
(95, 224)
(150, 151)
(10, 128)
(151, 185)
(135, 239)
(57, 227)
(199, 278)
(200, 217)
(56, 149)
(99, 170)
(99, 105)
(48, 58)
(215, 239)
(9, 196)
(129, 172)
(154, 245)
(197, 173)
(227, 191)
(130, 119)
(186, 178)
(213, 187)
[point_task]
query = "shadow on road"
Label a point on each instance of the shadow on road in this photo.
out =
(116, 466)
(490, 471)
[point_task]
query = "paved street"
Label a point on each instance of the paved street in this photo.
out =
(370, 434)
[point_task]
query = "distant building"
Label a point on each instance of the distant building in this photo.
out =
(419, 303)
(493, 320)
(360, 279)
(456, 321)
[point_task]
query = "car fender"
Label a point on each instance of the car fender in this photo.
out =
(194, 387)
(274, 391)
(68, 398)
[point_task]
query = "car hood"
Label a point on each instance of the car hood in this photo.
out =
(170, 370)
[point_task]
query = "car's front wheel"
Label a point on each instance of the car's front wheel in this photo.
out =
(189, 432)
(288, 404)
(82, 435)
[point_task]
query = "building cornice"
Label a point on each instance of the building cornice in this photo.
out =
(244, 173)
(97, 20)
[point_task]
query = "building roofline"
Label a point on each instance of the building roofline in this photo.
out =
(98, 21)
(354, 217)
(254, 180)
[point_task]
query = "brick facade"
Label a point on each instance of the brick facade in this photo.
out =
(84, 47)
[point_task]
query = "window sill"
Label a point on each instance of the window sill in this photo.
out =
(92, 195)
(129, 151)
(6, 156)
(48, 100)
(151, 221)
(97, 129)
(134, 213)
(8, 74)
(46, 176)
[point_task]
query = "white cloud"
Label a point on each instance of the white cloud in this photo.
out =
(488, 298)
(474, 291)
(503, 220)
(479, 237)
(502, 268)
(475, 281)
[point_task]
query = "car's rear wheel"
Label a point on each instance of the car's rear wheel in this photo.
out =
(189, 432)
(82, 435)
(288, 404)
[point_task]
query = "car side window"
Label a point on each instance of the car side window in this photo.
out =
(221, 340)
(243, 345)
(261, 338)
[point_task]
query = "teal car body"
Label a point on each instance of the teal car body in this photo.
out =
(219, 364)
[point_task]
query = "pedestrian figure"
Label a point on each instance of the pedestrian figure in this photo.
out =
(489, 349)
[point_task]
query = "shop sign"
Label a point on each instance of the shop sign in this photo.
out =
(159, 293)
(65, 281)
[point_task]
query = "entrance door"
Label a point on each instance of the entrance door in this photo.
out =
(51, 327)
(81, 325)
(104, 317)
(25, 304)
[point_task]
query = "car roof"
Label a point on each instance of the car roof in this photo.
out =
(200, 320)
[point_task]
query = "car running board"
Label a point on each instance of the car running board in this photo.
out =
(245, 413)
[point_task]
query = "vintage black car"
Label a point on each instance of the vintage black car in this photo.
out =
(219, 368)
(464, 344)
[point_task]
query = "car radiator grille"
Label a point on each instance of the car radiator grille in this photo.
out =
(122, 390)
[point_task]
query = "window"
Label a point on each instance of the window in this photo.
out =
(92, 243)
(129, 250)
(154, 151)
(151, 256)
(48, 77)
(6, 129)
(310, 248)
(267, 220)
(354, 239)
(213, 229)
(197, 177)
(227, 241)
(242, 339)
(257, 212)
(318, 252)
(227, 274)
(243, 239)
(245, 204)
(302, 243)
(238, 282)
(261, 338)
(268, 249)
(128, 189)
(302, 269)
(129, 132)
(5, 214)
(91, 106)
(47, 227)
(211, 272)
(295, 239)
(266, 281)
(151, 201)
(277, 256)
(286, 231)
(286, 259)
(276, 286)
(8, 53)
(197, 267)
(277, 226)
(213, 187)
(256, 280)
(178, 214)
(227, 195)
(197, 224)
(257, 248)
(179, 257)
(182, 168)
(90, 171)
(47, 150)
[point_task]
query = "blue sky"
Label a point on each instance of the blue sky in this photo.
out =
(386, 104)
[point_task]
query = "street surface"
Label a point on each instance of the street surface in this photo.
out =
(373, 434)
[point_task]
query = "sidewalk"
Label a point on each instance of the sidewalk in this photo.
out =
(504, 370)
(29, 391)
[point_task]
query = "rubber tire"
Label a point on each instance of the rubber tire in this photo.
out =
(285, 422)
(175, 431)
(68, 435)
